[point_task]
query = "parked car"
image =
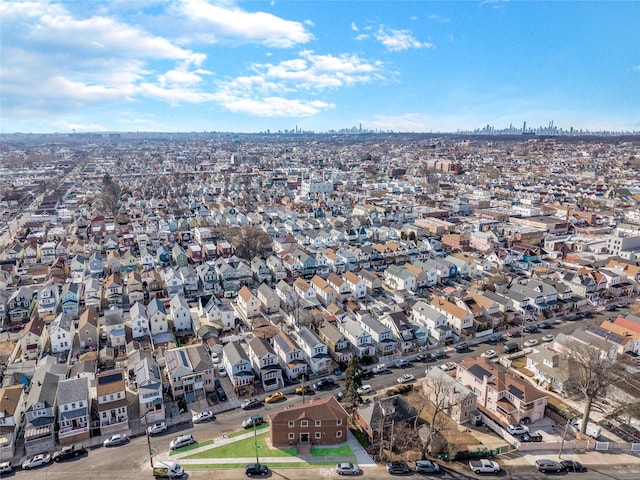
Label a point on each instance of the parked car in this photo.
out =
(398, 468)
(517, 429)
(6, 467)
(39, 460)
(532, 342)
(69, 451)
(251, 403)
(547, 338)
(544, 325)
(324, 384)
(348, 469)
(274, 397)
(572, 466)
(406, 378)
(461, 347)
(202, 417)
(495, 338)
(215, 358)
(364, 389)
(302, 389)
(530, 437)
(256, 470)
(401, 363)
(157, 428)
(424, 357)
(544, 465)
(427, 466)
(489, 354)
(181, 442)
(530, 329)
(253, 420)
(222, 395)
(222, 372)
(379, 368)
(115, 440)
(448, 366)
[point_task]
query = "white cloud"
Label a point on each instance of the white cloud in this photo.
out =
(399, 40)
(276, 106)
(354, 27)
(214, 23)
(437, 18)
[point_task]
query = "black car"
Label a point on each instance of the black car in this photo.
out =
(69, 451)
(222, 395)
(324, 384)
(530, 329)
(398, 468)
(495, 338)
(423, 357)
(530, 437)
(439, 354)
(544, 325)
(256, 470)
(251, 404)
(461, 347)
(544, 465)
(571, 466)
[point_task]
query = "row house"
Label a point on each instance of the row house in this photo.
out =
(70, 298)
(61, 332)
(180, 314)
(260, 269)
(113, 263)
(373, 283)
(342, 288)
(433, 321)
(325, 294)
(92, 292)
(290, 354)
(299, 263)
(217, 312)
(337, 343)
(248, 303)
(276, 267)
(47, 253)
(139, 321)
(114, 290)
(19, 306)
(381, 335)
(460, 400)
(173, 282)
(157, 316)
(195, 253)
(189, 279)
(40, 418)
(490, 309)
(507, 399)
(399, 278)
(334, 262)
(111, 404)
(74, 412)
(135, 287)
(402, 330)
(306, 292)
(34, 338)
(265, 361)
(147, 260)
(179, 256)
(239, 369)
(315, 351)
(359, 337)
(423, 278)
(129, 261)
(89, 328)
(207, 277)
(148, 382)
(269, 300)
(48, 301)
(190, 372)
(11, 413)
(541, 296)
(356, 284)
(459, 319)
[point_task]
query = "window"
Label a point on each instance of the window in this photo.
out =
(291, 424)
(318, 435)
(339, 422)
(339, 434)
(304, 423)
(318, 423)
(292, 436)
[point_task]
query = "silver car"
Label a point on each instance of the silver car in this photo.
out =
(348, 469)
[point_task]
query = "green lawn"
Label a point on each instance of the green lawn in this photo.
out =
(343, 451)
(245, 448)
(259, 427)
(191, 447)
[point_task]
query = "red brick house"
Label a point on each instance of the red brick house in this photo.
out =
(319, 422)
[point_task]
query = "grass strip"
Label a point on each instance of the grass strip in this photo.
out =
(213, 466)
(241, 432)
(342, 451)
(244, 448)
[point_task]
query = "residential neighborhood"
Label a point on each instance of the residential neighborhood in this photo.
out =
(229, 267)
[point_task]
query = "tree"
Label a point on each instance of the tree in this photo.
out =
(352, 381)
(595, 368)
(440, 402)
(110, 195)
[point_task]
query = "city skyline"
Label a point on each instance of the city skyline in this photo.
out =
(194, 65)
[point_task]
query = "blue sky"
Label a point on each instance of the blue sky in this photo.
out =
(250, 66)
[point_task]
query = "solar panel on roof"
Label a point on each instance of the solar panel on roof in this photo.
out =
(114, 377)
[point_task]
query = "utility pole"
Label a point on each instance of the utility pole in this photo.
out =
(146, 425)
(566, 429)
(255, 441)
(304, 390)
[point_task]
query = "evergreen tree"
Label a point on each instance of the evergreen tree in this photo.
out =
(352, 381)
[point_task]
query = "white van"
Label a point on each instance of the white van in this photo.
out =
(166, 469)
(592, 430)
(379, 368)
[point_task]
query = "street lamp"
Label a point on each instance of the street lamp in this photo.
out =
(255, 442)
(566, 429)
(146, 425)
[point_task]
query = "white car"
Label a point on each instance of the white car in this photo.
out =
(348, 469)
(222, 371)
(517, 429)
(532, 342)
(448, 366)
(364, 389)
(547, 338)
(37, 461)
(215, 358)
(157, 428)
(489, 354)
(6, 467)
(406, 378)
(381, 367)
(203, 417)
(115, 440)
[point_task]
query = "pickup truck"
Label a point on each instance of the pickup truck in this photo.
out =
(69, 451)
(484, 465)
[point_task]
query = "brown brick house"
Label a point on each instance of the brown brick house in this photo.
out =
(320, 422)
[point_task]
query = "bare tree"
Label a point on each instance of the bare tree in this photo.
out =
(439, 402)
(110, 194)
(595, 368)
